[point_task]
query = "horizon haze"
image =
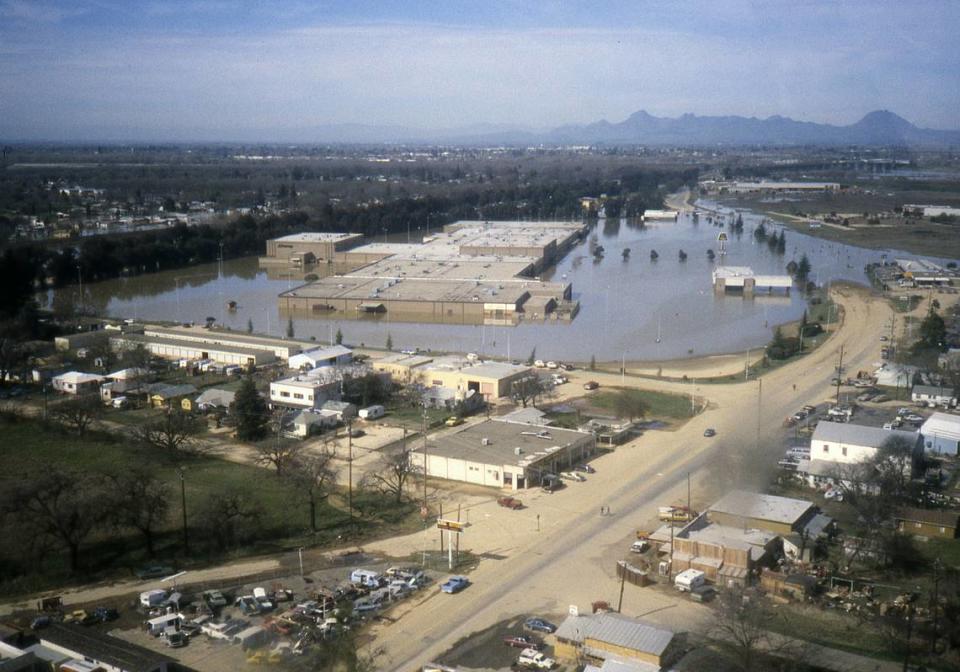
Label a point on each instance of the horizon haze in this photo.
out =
(236, 71)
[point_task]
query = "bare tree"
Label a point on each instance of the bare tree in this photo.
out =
(173, 433)
(65, 507)
(78, 413)
(530, 389)
(395, 471)
(278, 453)
(742, 623)
(313, 475)
(141, 501)
(229, 517)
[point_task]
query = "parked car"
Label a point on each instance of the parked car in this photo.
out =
(640, 547)
(709, 431)
(522, 642)
(535, 659)
(539, 363)
(153, 572)
(356, 433)
(510, 502)
(214, 599)
(454, 584)
(453, 421)
(585, 468)
(572, 476)
(552, 365)
(539, 625)
(591, 385)
(176, 640)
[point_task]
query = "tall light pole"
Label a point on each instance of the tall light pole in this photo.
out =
(183, 506)
(80, 280)
(300, 558)
(350, 471)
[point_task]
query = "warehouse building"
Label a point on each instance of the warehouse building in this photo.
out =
(302, 249)
(471, 273)
(503, 454)
(175, 348)
(493, 380)
(598, 638)
(402, 367)
(941, 434)
(846, 443)
(280, 348)
(743, 509)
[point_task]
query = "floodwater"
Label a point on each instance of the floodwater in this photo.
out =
(624, 304)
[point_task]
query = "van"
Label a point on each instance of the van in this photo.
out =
(689, 580)
(153, 598)
(371, 412)
(365, 577)
(119, 402)
(252, 637)
(157, 626)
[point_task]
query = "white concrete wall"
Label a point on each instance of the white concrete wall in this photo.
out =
(846, 453)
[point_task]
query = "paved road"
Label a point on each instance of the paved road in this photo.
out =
(572, 560)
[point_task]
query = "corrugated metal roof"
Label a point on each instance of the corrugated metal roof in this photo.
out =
(616, 629)
(858, 435)
(942, 425)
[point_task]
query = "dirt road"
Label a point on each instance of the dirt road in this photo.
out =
(571, 560)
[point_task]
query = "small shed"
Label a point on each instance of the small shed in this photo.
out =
(344, 409)
(169, 395)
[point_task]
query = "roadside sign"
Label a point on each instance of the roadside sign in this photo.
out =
(450, 525)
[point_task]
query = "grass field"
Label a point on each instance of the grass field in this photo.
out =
(659, 404)
(284, 522)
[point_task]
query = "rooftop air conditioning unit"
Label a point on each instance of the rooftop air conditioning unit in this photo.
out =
(518, 451)
(484, 441)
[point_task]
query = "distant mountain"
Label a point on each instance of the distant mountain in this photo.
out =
(876, 128)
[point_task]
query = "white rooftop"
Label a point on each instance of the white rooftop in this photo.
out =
(763, 507)
(942, 425)
(316, 237)
(858, 435)
(78, 377)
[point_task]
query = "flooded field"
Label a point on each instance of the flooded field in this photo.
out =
(633, 308)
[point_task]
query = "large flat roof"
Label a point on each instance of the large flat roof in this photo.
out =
(502, 440)
(413, 289)
(858, 435)
(619, 630)
(762, 507)
(317, 237)
(103, 647)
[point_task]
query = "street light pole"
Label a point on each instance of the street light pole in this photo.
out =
(300, 558)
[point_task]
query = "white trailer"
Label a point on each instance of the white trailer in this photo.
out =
(689, 579)
(372, 412)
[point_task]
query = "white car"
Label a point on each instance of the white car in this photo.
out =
(552, 365)
(539, 364)
(535, 659)
(572, 476)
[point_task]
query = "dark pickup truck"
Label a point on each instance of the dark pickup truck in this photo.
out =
(510, 502)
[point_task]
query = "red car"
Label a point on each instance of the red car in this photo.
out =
(522, 642)
(510, 502)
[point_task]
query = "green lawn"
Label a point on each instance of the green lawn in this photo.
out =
(659, 404)
(284, 523)
(411, 417)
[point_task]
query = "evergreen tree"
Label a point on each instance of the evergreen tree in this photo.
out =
(250, 326)
(803, 269)
(533, 356)
(593, 362)
(933, 332)
(389, 342)
(290, 331)
(782, 243)
(251, 412)
(339, 337)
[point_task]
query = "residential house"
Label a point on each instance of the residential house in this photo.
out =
(847, 443)
(213, 398)
(934, 395)
(603, 636)
(344, 411)
(941, 434)
(938, 523)
(77, 383)
(308, 422)
(335, 355)
(172, 395)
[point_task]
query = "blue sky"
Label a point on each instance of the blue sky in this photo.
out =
(234, 69)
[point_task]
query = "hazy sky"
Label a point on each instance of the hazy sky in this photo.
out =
(234, 69)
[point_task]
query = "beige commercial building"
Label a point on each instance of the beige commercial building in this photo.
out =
(300, 249)
(503, 454)
(493, 380)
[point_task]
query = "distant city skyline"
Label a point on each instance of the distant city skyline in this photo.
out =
(212, 70)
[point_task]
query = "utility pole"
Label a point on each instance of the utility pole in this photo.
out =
(759, 407)
(350, 471)
(935, 607)
(423, 430)
(839, 373)
(688, 493)
(183, 506)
